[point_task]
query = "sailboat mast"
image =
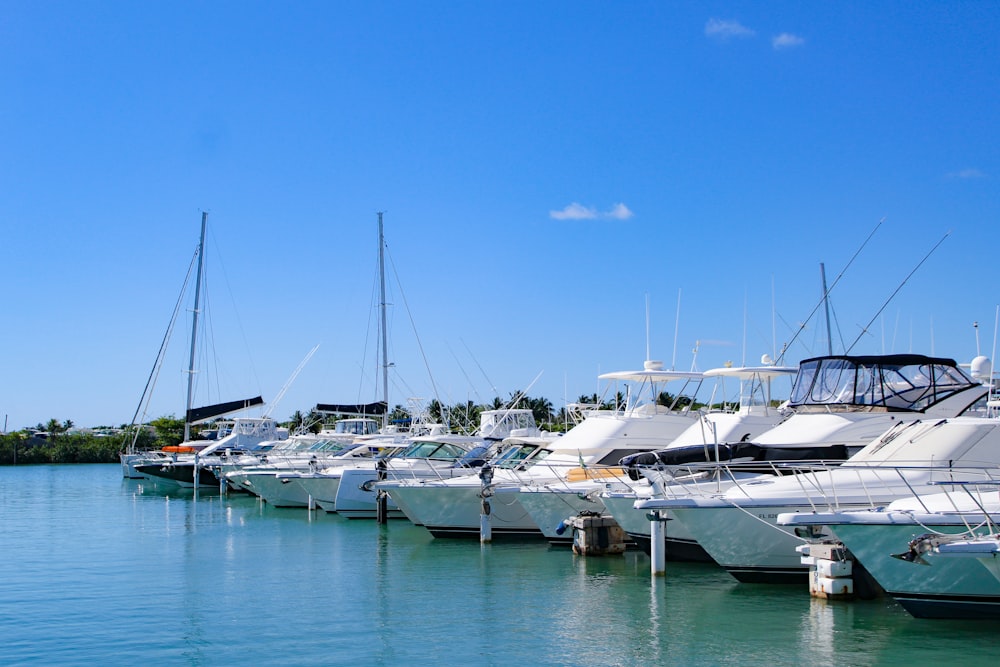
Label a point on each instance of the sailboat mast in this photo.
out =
(826, 304)
(385, 358)
(194, 326)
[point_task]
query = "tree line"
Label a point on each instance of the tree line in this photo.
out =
(56, 441)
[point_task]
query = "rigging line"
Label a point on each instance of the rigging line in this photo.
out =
(464, 373)
(413, 324)
(368, 332)
(840, 333)
(236, 313)
(496, 392)
(893, 295)
(826, 294)
(154, 373)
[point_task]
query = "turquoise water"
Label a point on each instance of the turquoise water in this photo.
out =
(98, 570)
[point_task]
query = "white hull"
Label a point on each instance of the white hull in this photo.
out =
(356, 497)
(747, 543)
(454, 510)
(321, 487)
(278, 490)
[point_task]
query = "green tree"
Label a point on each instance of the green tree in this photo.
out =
(541, 408)
(400, 415)
(169, 430)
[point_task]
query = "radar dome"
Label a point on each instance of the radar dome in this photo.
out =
(981, 368)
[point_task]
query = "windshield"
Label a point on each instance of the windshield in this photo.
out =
(427, 449)
(517, 455)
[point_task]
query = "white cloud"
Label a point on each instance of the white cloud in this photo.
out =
(577, 211)
(787, 40)
(724, 30)
(619, 212)
(574, 212)
(967, 174)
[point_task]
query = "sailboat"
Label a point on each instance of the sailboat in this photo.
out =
(178, 464)
(276, 482)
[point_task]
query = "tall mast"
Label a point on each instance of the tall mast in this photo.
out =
(826, 304)
(385, 358)
(194, 326)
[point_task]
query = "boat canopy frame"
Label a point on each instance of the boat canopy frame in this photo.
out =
(891, 383)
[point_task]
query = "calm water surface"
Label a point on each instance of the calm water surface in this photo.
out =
(98, 570)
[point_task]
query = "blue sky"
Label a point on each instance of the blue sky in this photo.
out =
(545, 169)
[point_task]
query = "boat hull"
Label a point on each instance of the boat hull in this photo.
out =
(747, 542)
(179, 474)
(455, 510)
(947, 587)
(278, 491)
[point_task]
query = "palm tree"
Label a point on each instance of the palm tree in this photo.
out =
(295, 421)
(435, 411)
(541, 408)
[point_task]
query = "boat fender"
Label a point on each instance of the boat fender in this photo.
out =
(486, 507)
(561, 528)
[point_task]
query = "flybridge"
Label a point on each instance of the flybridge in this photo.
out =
(890, 383)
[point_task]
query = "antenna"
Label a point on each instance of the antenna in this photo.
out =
(647, 327)
(677, 324)
(774, 334)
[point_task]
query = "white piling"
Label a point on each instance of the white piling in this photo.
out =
(657, 544)
(196, 464)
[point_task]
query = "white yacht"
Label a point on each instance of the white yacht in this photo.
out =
(752, 414)
(550, 505)
(298, 453)
(453, 507)
(430, 457)
(192, 465)
(914, 400)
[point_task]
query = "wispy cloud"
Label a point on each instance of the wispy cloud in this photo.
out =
(619, 212)
(723, 30)
(577, 211)
(787, 40)
(574, 212)
(968, 174)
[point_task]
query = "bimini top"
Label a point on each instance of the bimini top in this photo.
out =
(752, 372)
(652, 371)
(892, 382)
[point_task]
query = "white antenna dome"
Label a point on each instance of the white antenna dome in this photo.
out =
(651, 365)
(766, 359)
(981, 368)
